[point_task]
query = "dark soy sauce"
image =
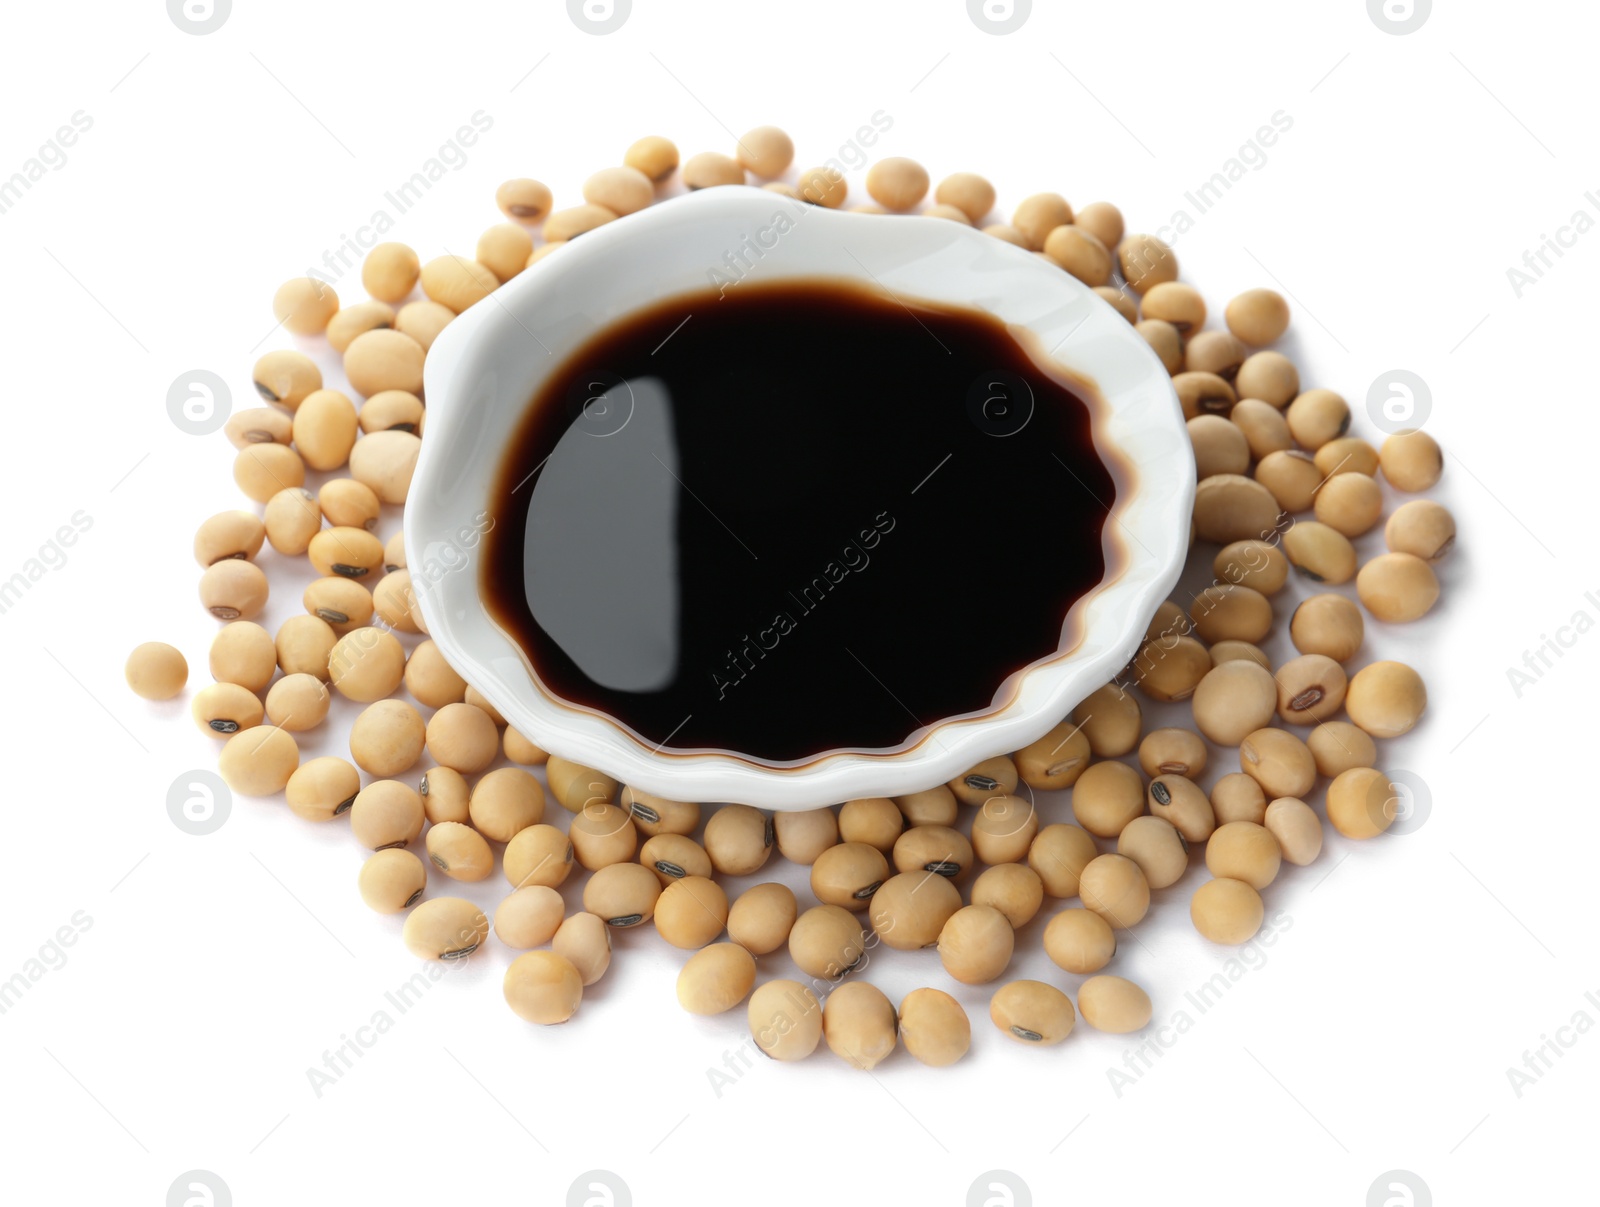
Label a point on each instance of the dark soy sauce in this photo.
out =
(796, 519)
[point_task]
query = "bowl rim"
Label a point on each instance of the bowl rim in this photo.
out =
(468, 364)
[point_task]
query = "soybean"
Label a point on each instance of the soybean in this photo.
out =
(739, 840)
(934, 1028)
(1258, 316)
(1032, 1012)
(1114, 887)
(233, 590)
(653, 155)
(1386, 699)
(505, 802)
(584, 941)
(1114, 1005)
(1422, 528)
(785, 1020)
(1297, 828)
(975, 944)
(859, 1024)
(1058, 854)
(690, 912)
(223, 709)
(1107, 797)
(391, 881)
(827, 941)
(803, 836)
(322, 789)
(1412, 461)
(1397, 587)
(1362, 802)
(1156, 846)
(910, 909)
(285, 377)
(1243, 850)
(445, 928)
(1079, 941)
(543, 988)
(625, 894)
(298, 703)
(1280, 762)
(1327, 624)
(258, 761)
(529, 917)
(386, 813)
(156, 671)
(1015, 889)
(1311, 688)
(716, 979)
(1111, 721)
(1227, 911)
(848, 874)
(761, 918)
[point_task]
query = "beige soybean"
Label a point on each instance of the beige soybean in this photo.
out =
(385, 462)
(1263, 426)
(827, 941)
(710, 169)
(1038, 215)
(1103, 220)
(395, 602)
(1327, 624)
(1349, 503)
(1156, 846)
(1176, 303)
(910, 909)
(935, 806)
(367, 664)
(1003, 829)
(243, 652)
(577, 786)
(391, 881)
(1280, 762)
(538, 854)
(975, 944)
(386, 739)
(445, 795)
(1297, 828)
(445, 928)
(391, 410)
(542, 987)
(1397, 587)
(353, 321)
(1172, 751)
(1411, 461)
(622, 190)
(1057, 856)
(948, 212)
(1338, 746)
(1032, 1012)
(504, 248)
(481, 702)
(431, 679)
(625, 894)
(1219, 446)
(1239, 651)
(1146, 262)
(968, 192)
(992, 777)
(602, 834)
(1231, 507)
(463, 737)
(934, 1028)
(386, 813)
(1107, 797)
(1293, 478)
(1166, 342)
(518, 749)
(1227, 911)
(505, 802)
(223, 709)
(739, 839)
(1079, 941)
(942, 850)
(229, 535)
(285, 376)
(258, 761)
(258, 425)
(292, 517)
(1080, 253)
(875, 821)
(1268, 377)
(897, 183)
(262, 470)
(422, 320)
(297, 703)
(653, 155)
(1230, 612)
(1180, 801)
(461, 853)
(1386, 699)
(1244, 850)
(1362, 802)
(674, 856)
(1322, 554)
(765, 151)
(343, 605)
(1258, 316)
(388, 359)
(585, 942)
(1171, 669)
(690, 912)
(1007, 233)
(1347, 455)
(524, 199)
(389, 273)
(304, 305)
(1237, 797)
(785, 1020)
(1257, 564)
(1114, 1005)
(1422, 528)
(1015, 889)
(716, 979)
(848, 874)
(1111, 720)
(1056, 760)
(1114, 887)
(761, 918)
(1201, 393)
(1215, 352)
(803, 836)
(1311, 688)
(1234, 700)
(528, 917)
(156, 671)
(322, 789)
(1316, 417)
(346, 552)
(860, 1025)
(349, 504)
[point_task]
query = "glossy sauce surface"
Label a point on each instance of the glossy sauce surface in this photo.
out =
(794, 519)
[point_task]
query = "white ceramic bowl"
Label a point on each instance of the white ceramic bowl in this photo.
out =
(486, 366)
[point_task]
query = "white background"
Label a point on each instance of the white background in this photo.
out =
(1408, 973)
